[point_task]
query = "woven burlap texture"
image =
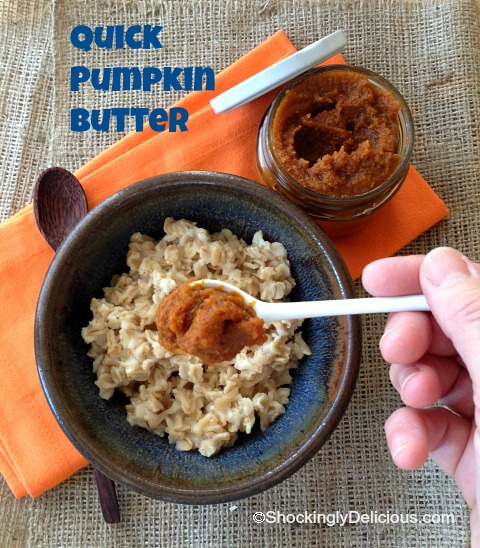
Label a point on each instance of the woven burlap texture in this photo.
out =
(430, 50)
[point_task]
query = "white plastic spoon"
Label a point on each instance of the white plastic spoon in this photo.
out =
(279, 73)
(270, 312)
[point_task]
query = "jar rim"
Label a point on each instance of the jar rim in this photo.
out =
(374, 79)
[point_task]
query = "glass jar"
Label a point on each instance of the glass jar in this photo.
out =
(338, 214)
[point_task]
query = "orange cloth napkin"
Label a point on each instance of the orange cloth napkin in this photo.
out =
(34, 453)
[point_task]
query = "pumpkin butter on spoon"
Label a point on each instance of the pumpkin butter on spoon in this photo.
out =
(208, 323)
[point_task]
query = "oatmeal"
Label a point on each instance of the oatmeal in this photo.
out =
(173, 393)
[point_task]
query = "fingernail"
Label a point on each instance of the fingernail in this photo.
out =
(445, 267)
(387, 331)
(406, 375)
(398, 444)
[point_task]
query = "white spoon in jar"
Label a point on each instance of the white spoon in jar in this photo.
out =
(270, 312)
(279, 73)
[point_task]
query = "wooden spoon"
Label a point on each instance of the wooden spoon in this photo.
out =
(59, 203)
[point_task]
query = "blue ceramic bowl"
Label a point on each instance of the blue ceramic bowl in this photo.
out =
(96, 250)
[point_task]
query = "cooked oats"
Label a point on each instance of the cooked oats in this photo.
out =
(174, 393)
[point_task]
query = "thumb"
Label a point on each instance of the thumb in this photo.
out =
(451, 284)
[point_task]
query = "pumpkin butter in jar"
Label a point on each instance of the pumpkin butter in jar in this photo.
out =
(337, 140)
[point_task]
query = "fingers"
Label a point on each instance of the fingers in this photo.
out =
(406, 338)
(397, 276)
(451, 284)
(393, 276)
(434, 379)
(413, 435)
(440, 344)
(410, 335)
(436, 358)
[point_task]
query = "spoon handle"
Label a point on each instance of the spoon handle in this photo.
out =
(369, 305)
(108, 497)
(59, 202)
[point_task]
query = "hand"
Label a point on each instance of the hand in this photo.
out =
(435, 358)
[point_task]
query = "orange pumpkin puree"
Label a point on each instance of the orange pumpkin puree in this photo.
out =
(337, 134)
(208, 323)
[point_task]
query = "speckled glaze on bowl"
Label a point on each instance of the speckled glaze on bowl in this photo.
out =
(96, 250)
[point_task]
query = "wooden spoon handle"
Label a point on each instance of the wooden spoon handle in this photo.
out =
(59, 202)
(107, 497)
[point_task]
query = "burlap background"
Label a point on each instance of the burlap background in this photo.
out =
(431, 51)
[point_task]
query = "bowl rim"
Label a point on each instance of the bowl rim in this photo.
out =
(284, 467)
